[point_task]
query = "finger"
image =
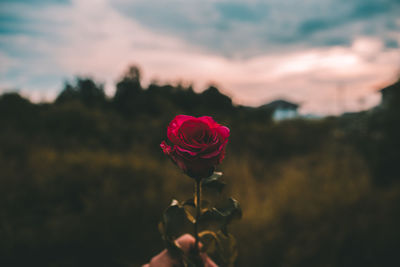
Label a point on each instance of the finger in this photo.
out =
(163, 260)
(186, 242)
(208, 262)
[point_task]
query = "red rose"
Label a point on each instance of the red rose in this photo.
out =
(198, 144)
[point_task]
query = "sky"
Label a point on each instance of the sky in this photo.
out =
(329, 56)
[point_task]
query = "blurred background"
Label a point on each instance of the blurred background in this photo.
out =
(310, 91)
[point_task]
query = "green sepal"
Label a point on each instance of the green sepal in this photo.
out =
(230, 209)
(172, 224)
(219, 217)
(173, 219)
(213, 182)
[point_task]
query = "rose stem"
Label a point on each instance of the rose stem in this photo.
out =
(197, 203)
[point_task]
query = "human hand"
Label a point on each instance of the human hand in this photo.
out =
(186, 243)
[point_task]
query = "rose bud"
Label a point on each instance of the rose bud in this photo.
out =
(198, 144)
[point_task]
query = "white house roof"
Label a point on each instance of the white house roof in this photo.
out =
(280, 104)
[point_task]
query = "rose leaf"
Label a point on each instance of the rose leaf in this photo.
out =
(213, 182)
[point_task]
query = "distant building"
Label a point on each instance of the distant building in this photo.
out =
(388, 93)
(282, 110)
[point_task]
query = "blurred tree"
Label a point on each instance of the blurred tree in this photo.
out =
(90, 93)
(376, 134)
(213, 99)
(85, 91)
(186, 99)
(384, 128)
(13, 112)
(127, 98)
(13, 102)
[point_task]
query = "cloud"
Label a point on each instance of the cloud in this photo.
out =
(236, 11)
(36, 2)
(370, 8)
(392, 43)
(245, 29)
(254, 58)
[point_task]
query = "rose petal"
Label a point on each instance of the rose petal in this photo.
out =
(209, 120)
(193, 131)
(214, 153)
(198, 144)
(174, 127)
(182, 150)
(223, 131)
(165, 148)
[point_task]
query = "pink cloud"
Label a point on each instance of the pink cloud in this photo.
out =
(101, 43)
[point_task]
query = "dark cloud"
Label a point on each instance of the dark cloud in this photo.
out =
(36, 2)
(375, 18)
(254, 27)
(391, 25)
(311, 26)
(11, 24)
(336, 41)
(241, 12)
(246, 28)
(391, 43)
(368, 9)
(161, 16)
(358, 10)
